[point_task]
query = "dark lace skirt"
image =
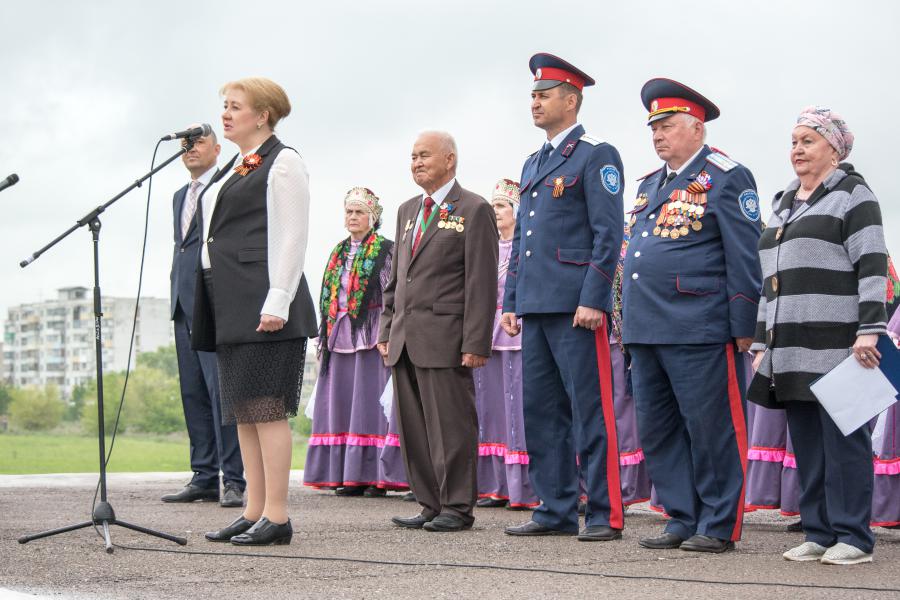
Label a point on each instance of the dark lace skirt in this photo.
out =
(259, 382)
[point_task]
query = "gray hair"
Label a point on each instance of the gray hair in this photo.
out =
(447, 141)
(689, 120)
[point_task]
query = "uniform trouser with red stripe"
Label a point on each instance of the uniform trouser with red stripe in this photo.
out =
(690, 416)
(568, 405)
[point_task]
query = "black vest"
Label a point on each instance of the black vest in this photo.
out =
(238, 254)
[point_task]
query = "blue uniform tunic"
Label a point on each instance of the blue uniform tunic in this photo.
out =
(691, 285)
(565, 247)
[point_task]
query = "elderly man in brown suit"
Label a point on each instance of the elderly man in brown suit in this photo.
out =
(436, 327)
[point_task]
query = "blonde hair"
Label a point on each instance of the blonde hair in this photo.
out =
(264, 95)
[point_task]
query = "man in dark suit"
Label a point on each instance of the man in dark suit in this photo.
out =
(436, 327)
(213, 446)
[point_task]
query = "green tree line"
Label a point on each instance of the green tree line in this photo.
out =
(152, 402)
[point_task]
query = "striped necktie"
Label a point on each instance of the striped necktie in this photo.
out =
(190, 207)
(426, 213)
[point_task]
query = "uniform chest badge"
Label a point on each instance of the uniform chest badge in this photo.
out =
(640, 203)
(681, 215)
(559, 186)
(702, 183)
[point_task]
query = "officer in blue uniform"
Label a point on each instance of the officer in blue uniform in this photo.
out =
(565, 247)
(690, 291)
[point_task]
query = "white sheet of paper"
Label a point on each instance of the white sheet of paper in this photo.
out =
(853, 395)
(387, 398)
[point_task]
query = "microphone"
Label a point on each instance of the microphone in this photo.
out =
(9, 182)
(200, 131)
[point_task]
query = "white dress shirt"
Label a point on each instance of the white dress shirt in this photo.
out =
(560, 137)
(287, 213)
(678, 171)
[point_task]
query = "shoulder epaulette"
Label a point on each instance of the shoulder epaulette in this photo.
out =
(643, 177)
(590, 140)
(721, 161)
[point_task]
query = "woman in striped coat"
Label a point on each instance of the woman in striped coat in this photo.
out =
(824, 261)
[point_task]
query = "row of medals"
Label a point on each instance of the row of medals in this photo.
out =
(459, 227)
(678, 216)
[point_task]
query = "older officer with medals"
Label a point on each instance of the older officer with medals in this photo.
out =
(565, 247)
(689, 298)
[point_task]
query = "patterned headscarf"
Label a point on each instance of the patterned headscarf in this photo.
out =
(830, 126)
(367, 199)
(508, 190)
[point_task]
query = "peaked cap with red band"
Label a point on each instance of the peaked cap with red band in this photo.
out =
(665, 97)
(550, 71)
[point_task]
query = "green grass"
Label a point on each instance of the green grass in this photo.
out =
(66, 453)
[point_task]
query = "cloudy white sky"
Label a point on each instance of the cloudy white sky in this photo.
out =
(89, 86)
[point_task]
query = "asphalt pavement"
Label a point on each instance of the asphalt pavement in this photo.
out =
(348, 548)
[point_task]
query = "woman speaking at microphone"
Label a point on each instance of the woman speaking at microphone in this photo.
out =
(253, 307)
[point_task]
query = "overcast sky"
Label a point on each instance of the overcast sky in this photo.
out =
(88, 87)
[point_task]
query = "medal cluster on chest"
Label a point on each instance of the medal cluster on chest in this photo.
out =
(682, 213)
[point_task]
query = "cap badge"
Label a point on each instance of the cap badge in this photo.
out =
(654, 106)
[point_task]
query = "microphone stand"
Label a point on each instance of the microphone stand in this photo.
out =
(103, 514)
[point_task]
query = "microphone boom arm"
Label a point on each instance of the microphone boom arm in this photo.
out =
(88, 218)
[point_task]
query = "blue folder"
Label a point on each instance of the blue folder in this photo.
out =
(890, 360)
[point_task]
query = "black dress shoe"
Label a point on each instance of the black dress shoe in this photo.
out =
(374, 492)
(534, 528)
(237, 527)
(704, 543)
(350, 490)
(409, 497)
(265, 533)
(232, 496)
(796, 527)
(191, 492)
(416, 522)
(446, 523)
(666, 541)
(490, 503)
(599, 533)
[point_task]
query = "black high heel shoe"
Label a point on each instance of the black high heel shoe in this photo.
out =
(265, 533)
(239, 526)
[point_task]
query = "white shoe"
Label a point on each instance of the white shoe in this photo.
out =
(805, 552)
(845, 554)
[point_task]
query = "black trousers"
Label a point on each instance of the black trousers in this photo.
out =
(214, 446)
(836, 477)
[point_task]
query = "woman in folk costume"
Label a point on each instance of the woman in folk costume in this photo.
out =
(502, 456)
(633, 476)
(886, 438)
(349, 426)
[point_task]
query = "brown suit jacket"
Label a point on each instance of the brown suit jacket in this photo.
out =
(441, 302)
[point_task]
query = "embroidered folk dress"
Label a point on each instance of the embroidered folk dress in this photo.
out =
(349, 428)
(502, 454)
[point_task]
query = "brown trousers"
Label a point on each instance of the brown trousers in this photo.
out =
(438, 429)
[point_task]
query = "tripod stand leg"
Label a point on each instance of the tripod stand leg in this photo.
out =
(172, 538)
(36, 536)
(109, 547)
